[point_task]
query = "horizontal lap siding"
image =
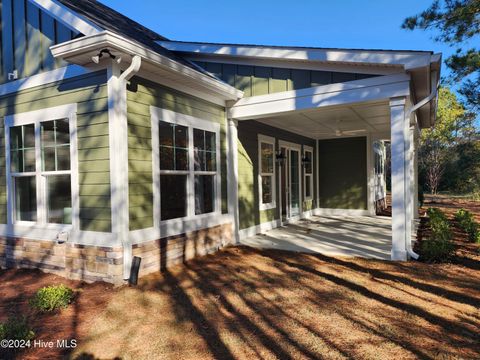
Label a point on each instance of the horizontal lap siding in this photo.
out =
(248, 187)
(261, 80)
(89, 92)
(141, 95)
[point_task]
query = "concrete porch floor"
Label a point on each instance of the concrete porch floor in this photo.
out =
(359, 236)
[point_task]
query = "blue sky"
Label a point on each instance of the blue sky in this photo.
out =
(371, 24)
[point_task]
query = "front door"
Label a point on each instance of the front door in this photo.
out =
(290, 183)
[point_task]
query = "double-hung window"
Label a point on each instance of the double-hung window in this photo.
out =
(186, 165)
(308, 172)
(266, 164)
(39, 166)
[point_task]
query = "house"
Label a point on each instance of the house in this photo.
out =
(116, 142)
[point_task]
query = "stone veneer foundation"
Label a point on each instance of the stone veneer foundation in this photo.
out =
(96, 263)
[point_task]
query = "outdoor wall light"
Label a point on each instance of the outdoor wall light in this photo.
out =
(306, 161)
(280, 158)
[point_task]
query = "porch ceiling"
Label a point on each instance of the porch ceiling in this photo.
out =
(338, 121)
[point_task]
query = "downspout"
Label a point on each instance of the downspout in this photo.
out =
(435, 84)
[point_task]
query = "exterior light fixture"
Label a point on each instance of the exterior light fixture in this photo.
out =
(306, 161)
(280, 158)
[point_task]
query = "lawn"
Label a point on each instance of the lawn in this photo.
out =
(244, 303)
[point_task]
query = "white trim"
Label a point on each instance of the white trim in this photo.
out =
(67, 17)
(81, 49)
(263, 139)
(295, 147)
(305, 175)
(44, 78)
(340, 212)
(408, 59)
(317, 142)
(232, 171)
(181, 227)
(257, 229)
(37, 117)
(377, 88)
(162, 227)
(370, 175)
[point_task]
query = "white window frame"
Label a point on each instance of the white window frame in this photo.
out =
(158, 114)
(37, 117)
(263, 139)
(305, 175)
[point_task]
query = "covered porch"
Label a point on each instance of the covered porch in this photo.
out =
(376, 108)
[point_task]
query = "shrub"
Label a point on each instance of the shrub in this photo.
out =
(50, 298)
(467, 223)
(439, 224)
(439, 246)
(16, 328)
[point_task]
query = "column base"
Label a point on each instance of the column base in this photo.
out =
(399, 255)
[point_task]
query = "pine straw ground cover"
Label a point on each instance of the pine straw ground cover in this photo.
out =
(244, 303)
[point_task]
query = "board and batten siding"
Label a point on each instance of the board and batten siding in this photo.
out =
(26, 33)
(248, 186)
(89, 92)
(343, 173)
(261, 80)
(141, 94)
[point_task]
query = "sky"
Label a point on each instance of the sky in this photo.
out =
(368, 24)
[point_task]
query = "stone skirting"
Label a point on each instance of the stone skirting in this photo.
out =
(95, 263)
(159, 254)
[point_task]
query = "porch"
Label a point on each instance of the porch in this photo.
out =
(350, 236)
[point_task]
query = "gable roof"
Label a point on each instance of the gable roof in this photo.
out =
(111, 20)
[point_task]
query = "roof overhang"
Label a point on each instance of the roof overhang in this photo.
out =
(154, 66)
(342, 94)
(422, 66)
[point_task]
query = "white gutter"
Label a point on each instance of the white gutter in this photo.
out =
(435, 85)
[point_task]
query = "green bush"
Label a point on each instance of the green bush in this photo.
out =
(16, 328)
(50, 298)
(439, 224)
(439, 246)
(467, 223)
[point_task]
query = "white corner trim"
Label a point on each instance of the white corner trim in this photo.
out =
(67, 16)
(271, 141)
(44, 78)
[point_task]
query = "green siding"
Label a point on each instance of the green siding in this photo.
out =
(261, 80)
(343, 173)
(248, 194)
(26, 35)
(90, 94)
(141, 95)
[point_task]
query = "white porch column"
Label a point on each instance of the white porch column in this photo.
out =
(399, 145)
(370, 176)
(232, 170)
(415, 174)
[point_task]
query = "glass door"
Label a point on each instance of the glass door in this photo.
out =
(294, 182)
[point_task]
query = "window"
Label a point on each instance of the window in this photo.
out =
(188, 153)
(39, 166)
(266, 161)
(308, 172)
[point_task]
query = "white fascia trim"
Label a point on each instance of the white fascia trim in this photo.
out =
(377, 88)
(115, 42)
(408, 59)
(67, 17)
(47, 77)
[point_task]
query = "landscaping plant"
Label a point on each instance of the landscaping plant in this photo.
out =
(53, 297)
(439, 246)
(16, 328)
(467, 223)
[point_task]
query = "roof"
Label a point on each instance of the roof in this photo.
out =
(295, 47)
(109, 19)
